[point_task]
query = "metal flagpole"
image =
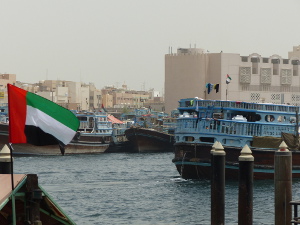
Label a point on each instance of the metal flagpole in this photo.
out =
(12, 187)
(226, 91)
(11, 166)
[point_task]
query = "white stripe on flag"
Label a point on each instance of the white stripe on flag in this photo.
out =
(49, 125)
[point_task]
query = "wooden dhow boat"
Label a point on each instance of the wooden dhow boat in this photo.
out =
(234, 124)
(152, 133)
(94, 136)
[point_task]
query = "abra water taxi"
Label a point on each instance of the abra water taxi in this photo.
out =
(234, 124)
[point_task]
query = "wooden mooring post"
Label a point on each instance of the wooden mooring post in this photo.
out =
(283, 185)
(211, 176)
(245, 204)
(5, 161)
(218, 187)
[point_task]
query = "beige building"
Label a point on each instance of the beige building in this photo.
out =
(95, 97)
(254, 78)
(69, 94)
(125, 98)
(4, 80)
(80, 96)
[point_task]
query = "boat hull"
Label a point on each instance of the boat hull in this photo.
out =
(192, 161)
(148, 140)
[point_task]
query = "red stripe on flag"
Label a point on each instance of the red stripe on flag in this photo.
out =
(17, 114)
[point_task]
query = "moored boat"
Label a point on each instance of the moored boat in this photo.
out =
(261, 126)
(150, 140)
(149, 133)
(94, 133)
(119, 142)
(94, 136)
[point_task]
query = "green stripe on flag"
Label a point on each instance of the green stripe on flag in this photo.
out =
(57, 112)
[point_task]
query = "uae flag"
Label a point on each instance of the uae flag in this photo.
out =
(228, 79)
(38, 121)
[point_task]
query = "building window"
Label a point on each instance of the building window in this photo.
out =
(286, 76)
(255, 96)
(295, 64)
(244, 58)
(295, 98)
(245, 75)
(275, 97)
(265, 76)
(255, 61)
(276, 63)
(285, 61)
(265, 60)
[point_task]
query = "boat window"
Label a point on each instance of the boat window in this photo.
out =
(189, 138)
(189, 103)
(218, 115)
(253, 117)
(281, 119)
(207, 139)
(269, 118)
(292, 119)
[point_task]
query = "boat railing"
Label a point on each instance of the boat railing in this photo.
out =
(104, 126)
(239, 105)
(84, 125)
(230, 127)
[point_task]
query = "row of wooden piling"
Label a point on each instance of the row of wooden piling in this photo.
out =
(282, 182)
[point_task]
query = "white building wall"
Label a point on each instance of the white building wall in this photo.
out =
(84, 97)
(62, 94)
(74, 92)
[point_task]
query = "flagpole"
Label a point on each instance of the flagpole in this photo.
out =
(11, 167)
(13, 203)
(226, 91)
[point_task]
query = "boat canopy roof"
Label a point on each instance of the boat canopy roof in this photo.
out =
(113, 119)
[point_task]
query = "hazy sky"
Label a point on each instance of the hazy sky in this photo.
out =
(117, 41)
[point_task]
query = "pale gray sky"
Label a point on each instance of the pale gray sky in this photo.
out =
(115, 41)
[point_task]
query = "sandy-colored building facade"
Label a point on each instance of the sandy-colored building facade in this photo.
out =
(4, 80)
(195, 72)
(125, 98)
